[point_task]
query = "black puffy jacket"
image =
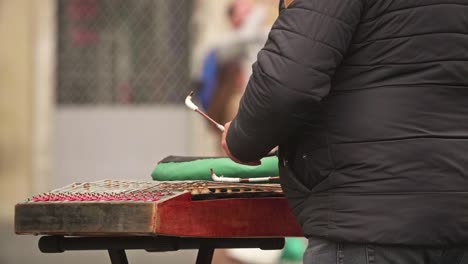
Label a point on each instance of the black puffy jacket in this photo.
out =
(368, 101)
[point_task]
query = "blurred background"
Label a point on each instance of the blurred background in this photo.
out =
(94, 89)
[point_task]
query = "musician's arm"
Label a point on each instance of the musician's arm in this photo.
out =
(292, 74)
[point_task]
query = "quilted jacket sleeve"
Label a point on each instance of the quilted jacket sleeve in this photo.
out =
(292, 74)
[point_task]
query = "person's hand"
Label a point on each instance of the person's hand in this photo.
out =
(226, 149)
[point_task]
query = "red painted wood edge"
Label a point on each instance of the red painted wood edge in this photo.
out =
(239, 217)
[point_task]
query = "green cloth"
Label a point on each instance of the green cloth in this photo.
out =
(185, 168)
(294, 249)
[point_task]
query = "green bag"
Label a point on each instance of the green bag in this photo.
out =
(176, 168)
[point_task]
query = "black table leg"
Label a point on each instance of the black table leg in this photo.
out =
(118, 256)
(205, 254)
(116, 246)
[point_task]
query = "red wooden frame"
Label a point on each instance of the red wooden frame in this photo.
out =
(236, 217)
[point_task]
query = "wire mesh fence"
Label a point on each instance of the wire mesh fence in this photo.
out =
(123, 52)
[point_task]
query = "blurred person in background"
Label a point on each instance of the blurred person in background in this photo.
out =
(224, 76)
(236, 51)
(227, 64)
(367, 101)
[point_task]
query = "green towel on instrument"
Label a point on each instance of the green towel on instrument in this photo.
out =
(174, 168)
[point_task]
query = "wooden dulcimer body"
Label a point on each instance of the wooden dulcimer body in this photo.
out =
(185, 209)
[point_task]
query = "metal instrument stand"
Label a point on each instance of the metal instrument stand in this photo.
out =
(116, 246)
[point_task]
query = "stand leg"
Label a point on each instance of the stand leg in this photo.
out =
(205, 254)
(118, 256)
